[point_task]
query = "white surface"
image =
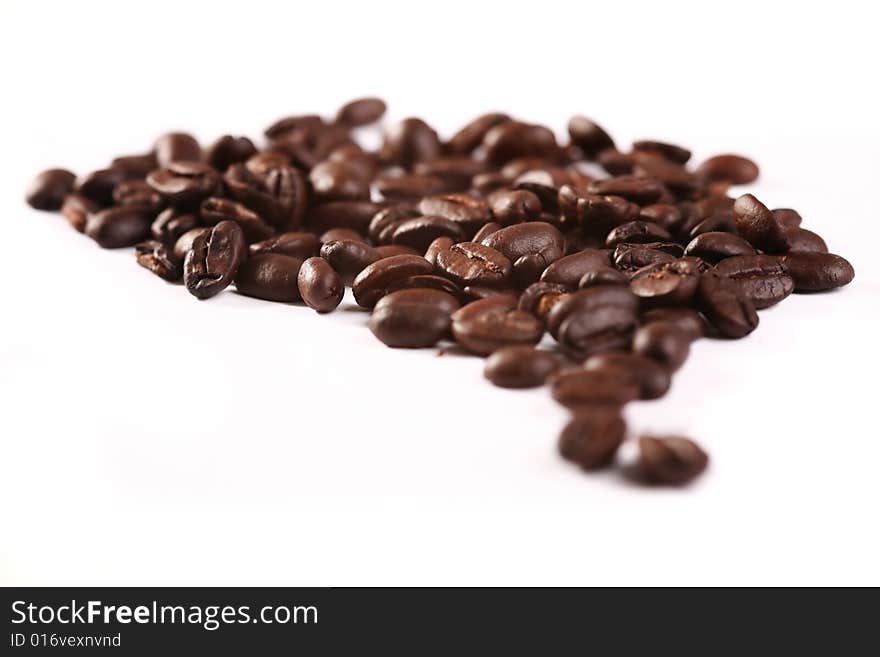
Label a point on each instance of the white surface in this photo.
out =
(146, 438)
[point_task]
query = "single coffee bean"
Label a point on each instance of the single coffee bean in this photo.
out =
(671, 283)
(536, 238)
(98, 186)
(513, 139)
(639, 190)
(262, 162)
(48, 190)
(428, 281)
(334, 180)
(184, 184)
(671, 460)
(722, 301)
(588, 136)
(597, 214)
(278, 194)
(636, 232)
(761, 278)
(361, 111)
(138, 192)
(214, 259)
(520, 366)
(663, 341)
(308, 123)
(349, 257)
(787, 216)
(513, 206)
(471, 135)
(355, 215)
(758, 225)
(651, 378)
(674, 177)
(603, 276)
(716, 246)
(269, 276)
(409, 187)
(721, 222)
(76, 209)
(538, 298)
(158, 258)
(319, 286)
(592, 437)
(488, 324)
(298, 245)
(214, 210)
(184, 243)
(176, 147)
(594, 319)
(545, 184)
(455, 173)
(382, 224)
(802, 240)
(630, 258)
(469, 212)
(419, 232)
(736, 169)
(372, 283)
(486, 230)
(816, 272)
(469, 263)
(119, 226)
(570, 269)
(665, 215)
(410, 141)
(687, 319)
(662, 149)
(135, 167)
(615, 162)
(579, 388)
(229, 150)
(413, 318)
(435, 247)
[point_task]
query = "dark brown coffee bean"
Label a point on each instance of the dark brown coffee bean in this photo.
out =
(171, 224)
(214, 210)
(536, 238)
(262, 162)
(471, 135)
(486, 183)
(787, 216)
(630, 258)
(297, 245)
(214, 259)
(469, 212)
(158, 258)
(579, 388)
(48, 190)
(383, 223)
(595, 213)
(736, 169)
(307, 123)
(715, 246)
(651, 378)
(278, 194)
(513, 139)
(667, 151)
(435, 247)
(615, 162)
(594, 319)
(545, 184)
(355, 215)
(671, 283)
(636, 232)
(470, 263)
(642, 191)
(409, 187)
(137, 192)
(338, 234)
(758, 225)
(119, 227)
(570, 269)
(538, 298)
(319, 286)
(339, 181)
(184, 184)
(801, 240)
(816, 272)
(592, 437)
(663, 341)
(674, 177)
(720, 222)
(135, 167)
(76, 209)
(98, 186)
(588, 136)
(361, 111)
(520, 366)
(349, 257)
(455, 173)
(722, 301)
(229, 150)
(410, 141)
(513, 206)
(671, 460)
(419, 232)
(372, 283)
(176, 147)
(184, 243)
(413, 318)
(762, 278)
(269, 276)
(663, 214)
(483, 326)
(603, 276)
(428, 282)
(486, 230)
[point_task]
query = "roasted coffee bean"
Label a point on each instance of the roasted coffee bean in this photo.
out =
(158, 258)
(538, 298)
(135, 167)
(723, 302)
(455, 173)
(137, 192)
(671, 283)
(632, 257)
(588, 136)
(349, 257)
(595, 213)
(279, 194)
(787, 217)
(477, 292)
(171, 224)
(176, 147)
(413, 318)
(651, 378)
(469, 212)
(339, 181)
(491, 181)
(76, 209)
(667, 151)
(578, 240)
(214, 210)
(720, 222)
(570, 269)
(429, 282)
(674, 177)
(513, 139)
(361, 111)
(735, 169)
(636, 232)
(470, 263)
(343, 214)
(120, 226)
(262, 162)
(594, 319)
(483, 326)
(269, 276)
(520, 366)
(435, 247)
(229, 150)
(816, 272)
(663, 341)
(382, 224)
(671, 460)
(409, 187)
(48, 190)
(578, 388)
(184, 184)
(801, 240)
(308, 123)
(603, 276)
(762, 278)
(214, 259)
(639, 190)
(297, 245)
(592, 437)
(533, 238)
(545, 184)
(98, 186)
(714, 247)
(471, 135)
(319, 286)
(338, 234)
(758, 225)
(410, 141)
(615, 162)
(419, 232)
(486, 230)
(687, 319)
(373, 282)
(665, 215)
(184, 243)
(513, 206)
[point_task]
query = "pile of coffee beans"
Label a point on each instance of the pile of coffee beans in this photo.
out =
(490, 238)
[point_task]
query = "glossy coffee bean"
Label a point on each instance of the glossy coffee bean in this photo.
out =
(588, 136)
(213, 210)
(338, 234)
(597, 214)
(184, 243)
(720, 222)
(361, 111)
(722, 301)
(801, 240)
(269, 276)
(76, 209)
(214, 259)
(758, 226)
(469, 263)
(514, 139)
(137, 192)
(159, 259)
(630, 258)
(134, 167)
(653, 380)
(663, 214)
(410, 141)
(349, 257)
(455, 173)
(419, 232)
(429, 282)
(486, 230)
(435, 247)
(119, 226)
(570, 269)
(636, 232)
(278, 194)
(334, 180)
(413, 318)
(735, 169)
(184, 184)
(176, 147)
(229, 150)
(409, 187)
(171, 224)
(467, 211)
(603, 276)
(667, 151)
(533, 238)
(471, 135)
(787, 217)
(98, 186)
(48, 190)
(295, 244)
(686, 319)
(594, 319)
(665, 342)
(670, 460)
(320, 287)
(520, 366)
(513, 206)
(372, 283)
(639, 190)
(578, 388)
(538, 298)
(670, 283)
(488, 324)
(716, 246)
(762, 278)
(817, 272)
(388, 250)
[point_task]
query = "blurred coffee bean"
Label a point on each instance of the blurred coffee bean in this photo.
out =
(76, 209)
(511, 206)
(469, 212)
(670, 460)
(48, 190)
(185, 184)
(355, 215)
(736, 169)
(410, 141)
(663, 341)
(520, 366)
(471, 135)
(214, 210)
(98, 186)
(176, 147)
(588, 136)
(419, 232)
(409, 187)
(686, 319)
(512, 139)
(171, 224)
(119, 226)
(787, 217)
(361, 111)
(651, 378)
(229, 150)
(488, 324)
(579, 388)
(665, 150)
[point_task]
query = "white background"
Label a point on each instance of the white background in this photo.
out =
(147, 438)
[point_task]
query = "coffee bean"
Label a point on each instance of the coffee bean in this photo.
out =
(409, 187)
(469, 263)
(674, 177)
(388, 250)
(486, 183)
(427, 281)
(520, 366)
(471, 135)
(802, 240)
(184, 184)
(269, 276)
(736, 169)
(758, 225)
(184, 243)
(355, 215)
(158, 258)
(636, 232)
(761, 278)
(372, 283)
(339, 181)
(435, 247)
(319, 286)
(349, 257)
(469, 212)
(720, 222)
(642, 191)
(597, 214)
(538, 298)
(382, 224)
(513, 206)
(171, 224)
(413, 318)
(570, 269)
(533, 238)
(229, 150)
(787, 217)
(588, 136)
(488, 324)
(361, 111)
(594, 319)
(580, 388)
(307, 123)
(686, 319)
(454, 173)
(48, 190)
(615, 162)
(630, 258)
(723, 302)
(816, 272)
(214, 259)
(297, 245)
(419, 232)
(477, 292)
(663, 341)
(665, 150)
(137, 192)
(134, 167)
(98, 186)
(486, 230)
(176, 147)
(76, 209)
(651, 378)
(715, 246)
(665, 215)
(410, 141)
(214, 210)
(119, 226)
(671, 283)
(671, 460)
(512, 139)
(603, 276)
(278, 195)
